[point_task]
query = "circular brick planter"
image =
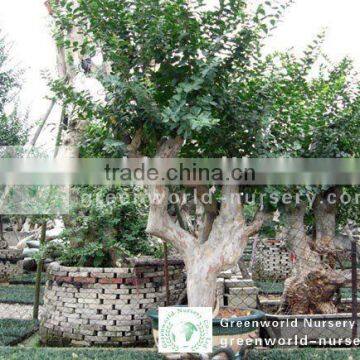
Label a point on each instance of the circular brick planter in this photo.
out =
(106, 306)
(10, 263)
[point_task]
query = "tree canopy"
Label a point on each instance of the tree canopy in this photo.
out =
(177, 68)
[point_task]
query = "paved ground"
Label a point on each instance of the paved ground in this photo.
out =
(16, 311)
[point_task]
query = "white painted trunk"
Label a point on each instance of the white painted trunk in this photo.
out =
(201, 285)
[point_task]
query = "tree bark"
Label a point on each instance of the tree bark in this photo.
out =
(311, 287)
(209, 213)
(201, 281)
(225, 243)
(325, 211)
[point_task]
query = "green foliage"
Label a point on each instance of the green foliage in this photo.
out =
(176, 68)
(311, 116)
(198, 72)
(182, 68)
(12, 130)
(304, 354)
(107, 223)
(25, 279)
(349, 210)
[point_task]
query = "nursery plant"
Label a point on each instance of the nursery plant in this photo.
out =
(107, 225)
(182, 79)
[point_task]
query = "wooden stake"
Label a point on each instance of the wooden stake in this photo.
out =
(166, 274)
(39, 270)
(354, 288)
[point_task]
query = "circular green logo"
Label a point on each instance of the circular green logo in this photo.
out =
(185, 330)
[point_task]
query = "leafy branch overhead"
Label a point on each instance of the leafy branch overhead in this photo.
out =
(175, 66)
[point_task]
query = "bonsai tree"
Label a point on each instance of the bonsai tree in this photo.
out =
(104, 230)
(184, 80)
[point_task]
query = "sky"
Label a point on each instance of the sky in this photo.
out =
(27, 27)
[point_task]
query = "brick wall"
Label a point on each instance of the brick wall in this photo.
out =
(10, 263)
(98, 306)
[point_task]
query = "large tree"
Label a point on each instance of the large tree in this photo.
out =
(185, 80)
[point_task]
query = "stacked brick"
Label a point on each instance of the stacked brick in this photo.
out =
(106, 306)
(271, 261)
(10, 263)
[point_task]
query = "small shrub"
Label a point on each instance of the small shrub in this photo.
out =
(107, 224)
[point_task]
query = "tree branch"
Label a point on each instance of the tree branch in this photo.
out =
(210, 213)
(257, 223)
(160, 223)
(227, 238)
(135, 143)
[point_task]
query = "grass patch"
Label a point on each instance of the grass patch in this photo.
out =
(14, 330)
(19, 294)
(26, 279)
(18, 353)
(304, 354)
(73, 353)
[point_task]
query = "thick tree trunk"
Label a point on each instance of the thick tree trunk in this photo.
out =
(201, 282)
(325, 217)
(208, 215)
(325, 210)
(225, 239)
(3, 243)
(312, 285)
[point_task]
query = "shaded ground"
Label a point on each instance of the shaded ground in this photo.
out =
(18, 294)
(12, 331)
(73, 353)
(304, 354)
(26, 279)
(17, 299)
